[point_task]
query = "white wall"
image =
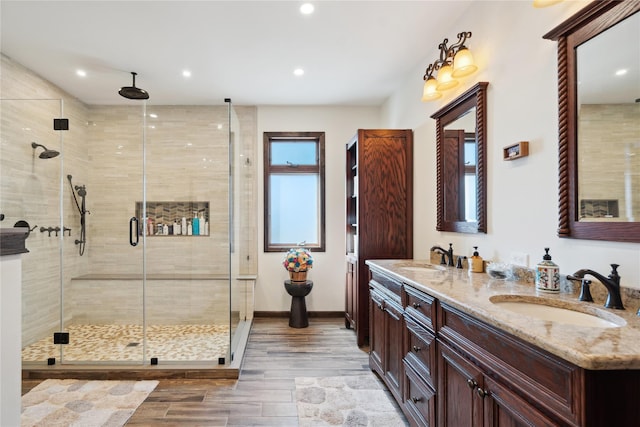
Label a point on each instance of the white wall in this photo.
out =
(328, 273)
(520, 67)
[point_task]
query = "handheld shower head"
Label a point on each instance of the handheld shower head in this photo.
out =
(46, 154)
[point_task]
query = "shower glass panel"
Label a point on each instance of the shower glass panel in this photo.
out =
(187, 239)
(111, 268)
(31, 184)
(243, 231)
(104, 177)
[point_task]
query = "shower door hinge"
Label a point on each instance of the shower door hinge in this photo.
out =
(60, 124)
(61, 337)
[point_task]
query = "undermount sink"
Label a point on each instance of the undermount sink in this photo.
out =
(558, 311)
(420, 267)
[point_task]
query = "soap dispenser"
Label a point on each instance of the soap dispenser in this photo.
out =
(547, 274)
(476, 263)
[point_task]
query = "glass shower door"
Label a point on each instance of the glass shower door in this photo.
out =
(187, 248)
(104, 257)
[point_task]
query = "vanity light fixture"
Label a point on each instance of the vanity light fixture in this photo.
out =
(455, 61)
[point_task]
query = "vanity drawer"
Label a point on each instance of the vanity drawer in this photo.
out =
(385, 285)
(419, 399)
(420, 351)
(421, 306)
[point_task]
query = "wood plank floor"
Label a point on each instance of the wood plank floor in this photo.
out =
(264, 393)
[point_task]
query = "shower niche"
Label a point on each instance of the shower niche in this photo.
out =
(174, 219)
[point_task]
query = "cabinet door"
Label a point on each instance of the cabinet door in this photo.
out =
(393, 350)
(458, 402)
(502, 408)
(349, 309)
(376, 333)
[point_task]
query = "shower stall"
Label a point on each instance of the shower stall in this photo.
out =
(143, 235)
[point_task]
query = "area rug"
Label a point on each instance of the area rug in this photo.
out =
(83, 403)
(359, 400)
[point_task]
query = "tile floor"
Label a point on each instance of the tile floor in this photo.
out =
(124, 343)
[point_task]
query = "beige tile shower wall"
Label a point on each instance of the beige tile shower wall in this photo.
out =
(30, 189)
(609, 155)
(169, 302)
(187, 160)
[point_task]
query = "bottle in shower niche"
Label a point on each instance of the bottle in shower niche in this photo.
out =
(195, 222)
(189, 228)
(547, 274)
(177, 229)
(183, 226)
(201, 223)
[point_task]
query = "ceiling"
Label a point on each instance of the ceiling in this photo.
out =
(353, 52)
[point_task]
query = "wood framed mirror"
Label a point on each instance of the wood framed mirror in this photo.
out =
(461, 162)
(599, 122)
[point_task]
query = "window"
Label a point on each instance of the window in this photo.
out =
(293, 190)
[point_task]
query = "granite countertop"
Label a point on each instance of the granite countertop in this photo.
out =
(589, 347)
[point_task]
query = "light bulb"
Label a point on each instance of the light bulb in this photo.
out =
(445, 79)
(429, 92)
(463, 64)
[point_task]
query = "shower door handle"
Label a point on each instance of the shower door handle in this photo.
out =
(133, 229)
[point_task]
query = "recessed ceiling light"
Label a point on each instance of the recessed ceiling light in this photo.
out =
(81, 73)
(298, 72)
(306, 9)
(186, 73)
(621, 72)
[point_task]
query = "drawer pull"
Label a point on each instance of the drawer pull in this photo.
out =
(416, 399)
(482, 393)
(416, 305)
(416, 348)
(472, 383)
(380, 306)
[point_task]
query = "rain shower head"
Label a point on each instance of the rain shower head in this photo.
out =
(46, 154)
(133, 92)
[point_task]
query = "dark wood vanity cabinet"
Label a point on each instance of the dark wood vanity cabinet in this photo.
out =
(454, 370)
(386, 326)
(379, 211)
(419, 357)
(469, 397)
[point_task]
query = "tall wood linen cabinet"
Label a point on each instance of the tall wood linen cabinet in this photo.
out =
(379, 213)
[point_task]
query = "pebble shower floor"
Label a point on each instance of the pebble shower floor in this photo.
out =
(115, 343)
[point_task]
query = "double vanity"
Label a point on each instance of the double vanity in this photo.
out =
(461, 349)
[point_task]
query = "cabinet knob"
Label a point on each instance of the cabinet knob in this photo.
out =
(482, 393)
(416, 348)
(472, 383)
(416, 305)
(380, 306)
(416, 399)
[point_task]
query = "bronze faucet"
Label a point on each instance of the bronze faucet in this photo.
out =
(612, 283)
(445, 254)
